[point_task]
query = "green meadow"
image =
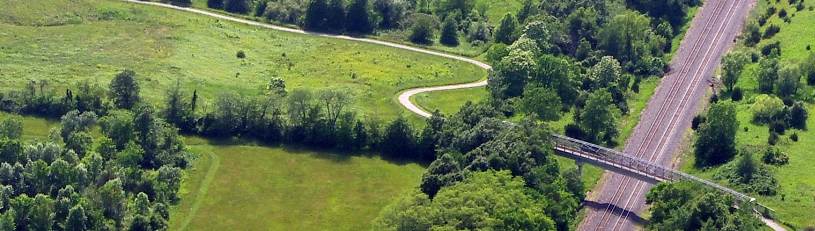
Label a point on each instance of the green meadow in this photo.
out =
(795, 202)
(66, 42)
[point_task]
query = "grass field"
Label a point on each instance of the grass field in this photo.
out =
(248, 187)
(795, 202)
(65, 42)
(245, 187)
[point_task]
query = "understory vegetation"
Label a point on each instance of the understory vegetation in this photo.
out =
(761, 145)
(690, 206)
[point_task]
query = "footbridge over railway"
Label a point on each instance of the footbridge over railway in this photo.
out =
(618, 162)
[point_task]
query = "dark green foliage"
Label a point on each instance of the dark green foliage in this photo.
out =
(752, 34)
(449, 32)
(124, 90)
(542, 102)
(767, 74)
(260, 8)
(794, 137)
(629, 38)
(399, 140)
(359, 18)
(315, 18)
(697, 120)
(808, 68)
(422, 30)
(771, 30)
(493, 201)
(773, 138)
(717, 136)
(237, 6)
(672, 11)
(215, 4)
(335, 18)
(774, 156)
(599, 118)
(688, 206)
(789, 79)
(506, 32)
(771, 49)
(392, 12)
(181, 2)
(737, 94)
(241, 55)
(528, 9)
(11, 128)
(798, 115)
(750, 176)
(76, 188)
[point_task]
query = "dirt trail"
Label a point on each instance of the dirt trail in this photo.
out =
(404, 97)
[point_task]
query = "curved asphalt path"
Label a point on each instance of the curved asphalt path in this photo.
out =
(404, 97)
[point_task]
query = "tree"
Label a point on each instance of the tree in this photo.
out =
(798, 115)
(511, 75)
(808, 69)
(359, 19)
(767, 74)
(76, 122)
(237, 6)
(119, 127)
(599, 117)
(40, 216)
(334, 102)
(606, 73)
(391, 12)
(629, 38)
(77, 219)
(506, 32)
(485, 201)
(176, 111)
(124, 90)
(335, 18)
(449, 32)
(543, 102)
(11, 128)
(422, 30)
(215, 4)
(399, 140)
(789, 77)
(716, 142)
(752, 34)
(688, 206)
(746, 167)
(732, 66)
(112, 200)
(766, 108)
(528, 9)
(315, 18)
(582, 24)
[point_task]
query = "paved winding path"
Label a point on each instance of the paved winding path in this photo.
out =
(404, 97)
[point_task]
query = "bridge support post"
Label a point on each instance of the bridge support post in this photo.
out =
(579, 167)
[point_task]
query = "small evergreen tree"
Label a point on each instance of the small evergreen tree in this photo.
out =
(422, 31)
(449, 32)
(315, 15)
(359, 18)
(335, 19)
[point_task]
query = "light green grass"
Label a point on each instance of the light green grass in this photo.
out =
(162, 45)
(797, 180)
(247, 187)
(260, 188)
(449, 102)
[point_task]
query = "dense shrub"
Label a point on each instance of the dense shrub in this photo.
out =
(766, 108)
(449, 32)
(771, 48)
(215, 4)
(774, 156)
(422, 30)
(737, 94)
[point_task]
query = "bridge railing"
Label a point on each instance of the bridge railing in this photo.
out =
(622, 159)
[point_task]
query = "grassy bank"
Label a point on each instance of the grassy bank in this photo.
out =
(795, 201)
(91, 40)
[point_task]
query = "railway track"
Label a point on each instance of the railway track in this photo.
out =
(703, 44)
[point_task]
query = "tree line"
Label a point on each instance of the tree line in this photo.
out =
(124, 179)
(318, 119)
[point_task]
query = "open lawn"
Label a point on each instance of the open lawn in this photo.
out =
(795, 202)
(68, 42)
(248, 187)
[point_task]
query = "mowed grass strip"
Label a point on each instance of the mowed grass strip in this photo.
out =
(94, 39)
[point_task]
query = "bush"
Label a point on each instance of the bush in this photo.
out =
(782, 13)
(422, 31)
(798, 116)
(449, 32)
(697, 120)
(771, 30)
(772, 48)
(766, 107)
(737, 94)
(215, 4)
(794, 137)
(574, 131)
(241, 54)
(773, 139)
(237, 6)
(181, 2)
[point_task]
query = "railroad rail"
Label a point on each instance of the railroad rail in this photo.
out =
(628, 165)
